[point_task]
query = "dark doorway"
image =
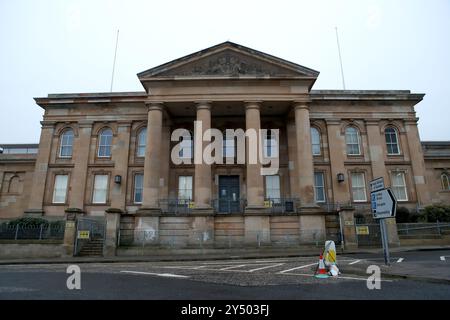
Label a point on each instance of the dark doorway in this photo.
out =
(229, 200)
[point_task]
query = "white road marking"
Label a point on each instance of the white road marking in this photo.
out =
(354, 262)
(183, 267)
(232, 267)
(266, 267)
(442, 258)
(301, 267)
(169, 275)
(339, 277)
(400, 260)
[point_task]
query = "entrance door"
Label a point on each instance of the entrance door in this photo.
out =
(229, 194)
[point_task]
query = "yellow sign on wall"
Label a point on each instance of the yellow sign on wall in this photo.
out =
(362, 230)
(83, 234)
(268, 204)
(191, 205)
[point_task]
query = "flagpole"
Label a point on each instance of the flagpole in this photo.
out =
(340, 58)
(114, 63)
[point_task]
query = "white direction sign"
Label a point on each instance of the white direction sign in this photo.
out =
(376, 184)
(384, 204)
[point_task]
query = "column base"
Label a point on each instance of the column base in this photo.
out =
(149, 211)
(255, 210)
(34, 213)
(203, 210)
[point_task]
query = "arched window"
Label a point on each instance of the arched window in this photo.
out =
(270, 144)
(391, 141)
(14, 185)
(105, 142)
(445, 181)
(228, 146)
(315, 141)
(141, 142)
(66, 144)
(352, 141)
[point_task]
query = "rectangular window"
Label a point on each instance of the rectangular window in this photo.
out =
(186, 149)
(270, 148)
(273, 191)
(60, 188)
(319, 187)
(358, 187)
(100, 188)
(399, 186)
(228, 148)
(185, 187)
(138, 187)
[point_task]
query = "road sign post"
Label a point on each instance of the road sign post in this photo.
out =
(384, 205)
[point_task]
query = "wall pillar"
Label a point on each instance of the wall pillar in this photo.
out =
(111, 236)
(257, 230)
(347, 220)
(202, 231)
(36, 202)
(80, 158)
(202, 178)
(336, 143)
(254, 179)
(120, 152)
(152, 163)
(305, 167)
(292, 154)
(417, 162)
(376, 150)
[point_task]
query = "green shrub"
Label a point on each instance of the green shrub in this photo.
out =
(437, 212)
(28, 221)
(402, 215)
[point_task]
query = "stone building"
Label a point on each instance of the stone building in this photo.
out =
(111, 152)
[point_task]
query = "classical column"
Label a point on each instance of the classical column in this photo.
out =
(292, 154)
(81, 147)
(376, 150)
(202, 179)
(120, 152)
(417, 162)
(255, 182)
(36, 201)
(152, 163)
(305, 168)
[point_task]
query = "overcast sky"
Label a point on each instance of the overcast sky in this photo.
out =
(54, 46)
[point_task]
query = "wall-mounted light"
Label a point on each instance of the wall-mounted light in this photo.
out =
(118, 179)
(340, 177)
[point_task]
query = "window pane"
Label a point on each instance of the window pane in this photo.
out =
(391, 141)
(100, 189)
(104, 148)
(66, 144)
(358, 187)
(445, 182)
(315, 141)
(185, 187)
(399, 186)
(60, 189)
(319, 187)
(273, 187)
(352, 141)
(138, 186)
(142, 141)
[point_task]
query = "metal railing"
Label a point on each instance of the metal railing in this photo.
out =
(52, 231)
(223, 205)
(174, 205)
(283, 205)
(433, 228)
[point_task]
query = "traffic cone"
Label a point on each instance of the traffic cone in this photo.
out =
(321, 271)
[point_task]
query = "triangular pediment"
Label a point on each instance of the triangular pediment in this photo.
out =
(229, 60)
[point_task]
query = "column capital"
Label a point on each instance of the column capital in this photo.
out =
(46, 124)
(252, 104)
(206, 105)
(372, 122)
(412, 121)
(301, 104)
(154, 105)
(85, 123)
